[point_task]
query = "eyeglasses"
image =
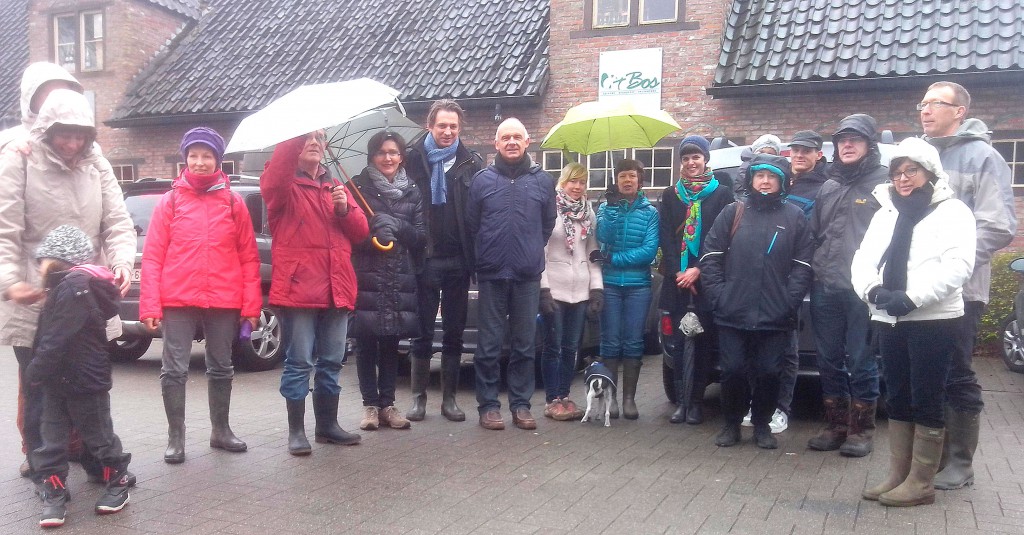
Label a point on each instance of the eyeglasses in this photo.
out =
(386, 153)
(909, 174)
(934, 103)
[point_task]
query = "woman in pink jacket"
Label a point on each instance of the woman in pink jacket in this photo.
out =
(200, 268)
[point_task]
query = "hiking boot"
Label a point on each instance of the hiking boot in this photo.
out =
(116, 496)
(836, 426)
(55, 497)
(764, 439)
(390, 417)
(728, 436)
(371, 419)
(862, 426)
(553, 408)
(780, 421)
(572, 411)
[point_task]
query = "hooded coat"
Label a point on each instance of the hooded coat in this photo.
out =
(755, 275)
(941, 256)
(980, 178)
(386, 303)
(628, 234)
(200, 252)
(70, 351)
(41, 192)
(844, 208)
(32, 80)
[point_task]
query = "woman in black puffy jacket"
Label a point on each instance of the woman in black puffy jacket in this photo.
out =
(386, 302)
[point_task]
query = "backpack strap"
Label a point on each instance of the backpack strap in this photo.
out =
(736, 219)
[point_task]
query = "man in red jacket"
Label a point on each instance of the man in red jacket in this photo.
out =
(314, 224)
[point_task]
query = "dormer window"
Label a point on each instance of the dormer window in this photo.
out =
(78, 40)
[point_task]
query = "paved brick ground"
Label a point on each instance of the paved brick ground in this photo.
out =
(636, 477)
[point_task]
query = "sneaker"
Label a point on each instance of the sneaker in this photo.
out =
(55, 497)
(780, 422)
(371, 419)
(572, 411)
(116, 496)
(390, 417)
(553, 408)
(746, 421)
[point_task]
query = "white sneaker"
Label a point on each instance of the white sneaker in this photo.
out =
(746, 421)
(780, 422)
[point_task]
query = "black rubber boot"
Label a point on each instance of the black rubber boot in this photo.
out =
(613, 366)
(297, 443)
(630, 377)
(327, 431)
(174, 407)
(450, 365)
(961, 441)
(419, 378)
(221, 437)
(679, 416)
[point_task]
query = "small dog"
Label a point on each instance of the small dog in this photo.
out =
(600, 387)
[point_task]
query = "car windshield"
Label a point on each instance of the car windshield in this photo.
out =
(140, 208)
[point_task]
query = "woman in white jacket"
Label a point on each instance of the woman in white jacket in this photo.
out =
(571, 287)
(916, 255)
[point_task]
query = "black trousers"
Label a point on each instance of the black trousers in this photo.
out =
(444, 282)
(377, 369)
(33, 401)
(963, 392)
(751, 363)
(915, 361)
(90, 414)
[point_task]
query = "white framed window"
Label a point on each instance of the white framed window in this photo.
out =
(1012, 151)
(659, 11)
(657, 166)
(611, 13)
(553, 161)
(601, 168)
(125, 173)
(78, 41)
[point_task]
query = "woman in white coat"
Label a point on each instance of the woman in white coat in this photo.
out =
(916, 255)
(570, 288)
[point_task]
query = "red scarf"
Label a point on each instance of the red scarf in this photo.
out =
(203, 183)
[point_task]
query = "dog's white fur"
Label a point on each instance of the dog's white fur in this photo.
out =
(599, 389)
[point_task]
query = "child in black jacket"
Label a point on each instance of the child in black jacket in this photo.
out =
(71, 363)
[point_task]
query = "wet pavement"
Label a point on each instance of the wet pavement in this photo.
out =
(636, 477)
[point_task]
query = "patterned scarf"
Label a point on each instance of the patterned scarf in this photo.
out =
(436, 157)
(389, 189)
(692, 192)
(573, 212)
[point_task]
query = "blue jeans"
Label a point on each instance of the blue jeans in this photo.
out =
(622, 321)
(313, 338)
(841, 331)
(506, 306)
(916, 357)
(562, 331)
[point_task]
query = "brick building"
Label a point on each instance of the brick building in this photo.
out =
(733, 68)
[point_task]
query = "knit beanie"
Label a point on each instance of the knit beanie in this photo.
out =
(68, 244)
(206, 136)
(691, 144)
(767, 141)
(922, 153)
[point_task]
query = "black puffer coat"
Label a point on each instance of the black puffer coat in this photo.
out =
(70, 349)
(386, 301)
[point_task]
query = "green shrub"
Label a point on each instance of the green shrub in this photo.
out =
(1005, 285)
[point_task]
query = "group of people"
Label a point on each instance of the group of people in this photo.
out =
(373, 258)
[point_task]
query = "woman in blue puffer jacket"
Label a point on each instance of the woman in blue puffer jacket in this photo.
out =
(627, 229)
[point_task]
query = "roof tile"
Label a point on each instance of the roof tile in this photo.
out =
(13, 55)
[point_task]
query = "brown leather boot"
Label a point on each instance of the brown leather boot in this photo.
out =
(862, 427)
(836, 426)
(901, 446)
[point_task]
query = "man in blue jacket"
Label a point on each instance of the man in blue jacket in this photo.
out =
(510, 214)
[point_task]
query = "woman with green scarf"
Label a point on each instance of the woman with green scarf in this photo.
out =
(687, 210)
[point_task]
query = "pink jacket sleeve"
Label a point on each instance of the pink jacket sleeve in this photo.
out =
(249, 258)
(154, 253)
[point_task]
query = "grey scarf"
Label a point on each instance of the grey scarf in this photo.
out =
(388, 189)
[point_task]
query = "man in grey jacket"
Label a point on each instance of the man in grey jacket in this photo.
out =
(981, 179)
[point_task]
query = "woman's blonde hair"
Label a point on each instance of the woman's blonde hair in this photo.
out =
(572, 171)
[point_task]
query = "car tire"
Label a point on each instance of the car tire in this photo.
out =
(1013, 344)
(263, 351)
(668, 382)
(129, 349)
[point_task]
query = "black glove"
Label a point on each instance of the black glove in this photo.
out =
(899, 304)
(598, 256)
(879, 295)
(547, 303)
(596, 303)
(384, 227)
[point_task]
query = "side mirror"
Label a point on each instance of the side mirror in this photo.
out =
(1017, 265)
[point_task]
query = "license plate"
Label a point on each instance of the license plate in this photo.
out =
(137, 275)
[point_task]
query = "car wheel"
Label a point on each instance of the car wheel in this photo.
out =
(1013, 344)
(263, 351)
(129, 349)
(668, 382)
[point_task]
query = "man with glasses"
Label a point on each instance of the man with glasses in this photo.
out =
(842, 211)
(981, 179)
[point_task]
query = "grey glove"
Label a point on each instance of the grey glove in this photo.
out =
(547, 303)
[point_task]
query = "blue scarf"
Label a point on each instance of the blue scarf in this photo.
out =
(692, 193)
(436, 157)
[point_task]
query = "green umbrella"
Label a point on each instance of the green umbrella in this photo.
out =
(600, 126)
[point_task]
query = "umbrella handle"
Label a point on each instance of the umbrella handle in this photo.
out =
(366, 207)
(390, 245)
